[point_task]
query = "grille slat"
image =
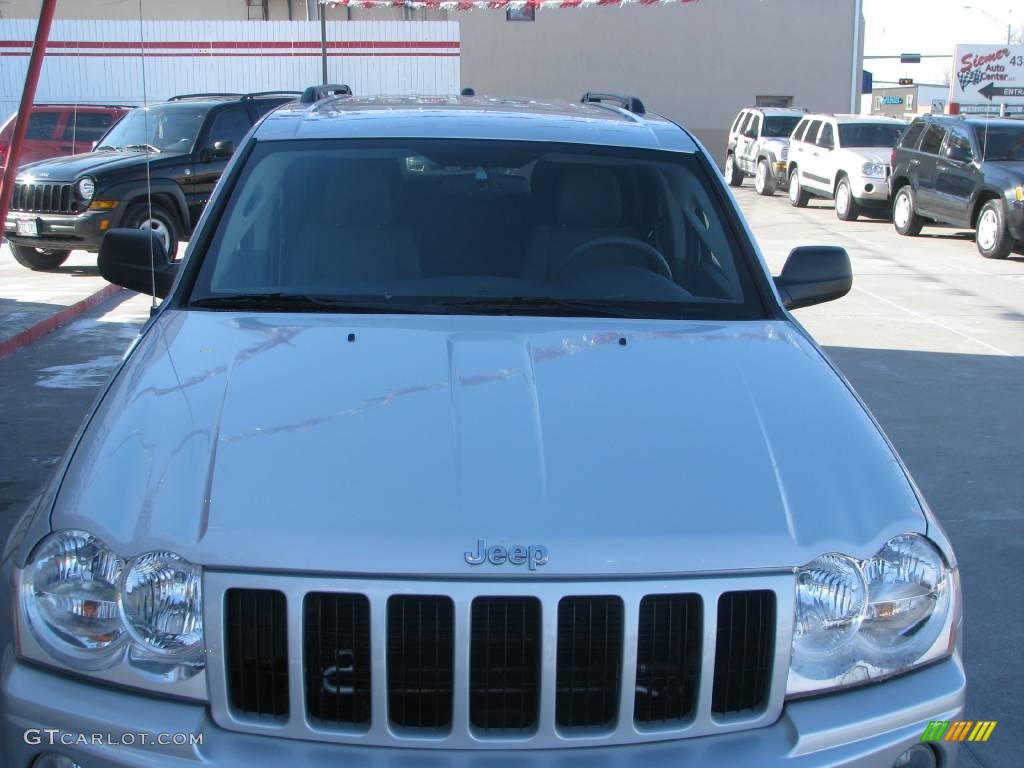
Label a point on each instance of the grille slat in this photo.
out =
(742, 679)
(589, 664)
(337, 662)
(257, 651)
(668, 658)
(43, 197)
(505, 652)
(421, 651)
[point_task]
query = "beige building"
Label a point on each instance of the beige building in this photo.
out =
(697, 63)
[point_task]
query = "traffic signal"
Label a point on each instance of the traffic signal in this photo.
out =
(906, 81)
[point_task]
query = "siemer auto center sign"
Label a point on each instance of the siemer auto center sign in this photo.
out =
(986, 77)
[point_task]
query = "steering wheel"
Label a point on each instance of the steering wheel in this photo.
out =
(655, 260)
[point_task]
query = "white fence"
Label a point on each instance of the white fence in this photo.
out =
(102, 62)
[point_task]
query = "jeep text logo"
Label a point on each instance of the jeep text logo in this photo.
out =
(533, 556)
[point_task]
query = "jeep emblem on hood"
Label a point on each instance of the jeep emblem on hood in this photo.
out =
(532, 556)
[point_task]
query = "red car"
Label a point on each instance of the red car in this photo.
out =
(55, 130)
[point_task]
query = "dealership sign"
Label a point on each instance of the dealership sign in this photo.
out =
(986, 77)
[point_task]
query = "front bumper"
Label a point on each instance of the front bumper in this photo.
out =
(865, 727)
(58, 231)
(870, 189)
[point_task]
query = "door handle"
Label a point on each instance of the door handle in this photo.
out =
(915, 161)
(817, 154)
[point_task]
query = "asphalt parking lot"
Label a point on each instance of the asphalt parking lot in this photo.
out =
(932, 337)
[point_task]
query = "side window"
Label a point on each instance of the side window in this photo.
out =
(737, 121)
(230, 125)
(755, 126)
(42, 125)
(932, 140)
(89, 126)
(827, 139)
(798, 134)
(912, 134)
(812, 131)
(958, 145)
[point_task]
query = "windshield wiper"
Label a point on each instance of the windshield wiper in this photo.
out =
(296, 302)
(147, 147)
(541, 305)
(107, 148)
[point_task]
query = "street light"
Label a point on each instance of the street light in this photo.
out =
(996, 19)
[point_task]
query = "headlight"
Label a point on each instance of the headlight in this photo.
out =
(90, 611)
(86, 188)
(70, 599)
(162, 605)
(874, 170)
(858, 621)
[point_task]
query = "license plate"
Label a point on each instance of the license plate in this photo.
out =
(28, 228)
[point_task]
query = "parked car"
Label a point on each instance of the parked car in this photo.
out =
(759, 145)
(57, 130)
(176, 149)
(392, 470)
(843, 158)
(963, 172)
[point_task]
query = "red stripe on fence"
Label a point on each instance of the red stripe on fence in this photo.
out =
(260, 45)
(409, 54)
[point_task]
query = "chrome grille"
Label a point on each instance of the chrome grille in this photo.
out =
(45, 197)
(505, 664)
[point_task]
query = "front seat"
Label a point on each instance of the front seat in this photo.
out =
(346, 235)
(588, 203)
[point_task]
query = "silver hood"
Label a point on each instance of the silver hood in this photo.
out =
(271, 441)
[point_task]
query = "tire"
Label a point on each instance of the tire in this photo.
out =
(38, 259)
(904, 217)
(733, 175)
(764, 179)
(798, 197)
(991, 235)
(847, 207)
(162, 221)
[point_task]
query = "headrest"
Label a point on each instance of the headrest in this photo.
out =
(589, 197)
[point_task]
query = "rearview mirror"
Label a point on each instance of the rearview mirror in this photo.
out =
(136, 259)
(814, 274)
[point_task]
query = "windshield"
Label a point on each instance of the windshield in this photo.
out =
(164, 128)
(483, 227)
(1002, 142)
(777, 127)
(869, 134)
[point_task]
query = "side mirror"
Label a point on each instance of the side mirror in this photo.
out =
(218, 151)
(958, 154)
(136, 259)
(814, 274)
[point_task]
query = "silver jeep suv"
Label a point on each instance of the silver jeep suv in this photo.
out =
(759, 147)
(474, 432)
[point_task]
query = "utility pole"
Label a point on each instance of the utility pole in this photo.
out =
(323, 41)
(28, 97)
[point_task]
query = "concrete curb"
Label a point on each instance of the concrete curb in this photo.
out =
(53, 322)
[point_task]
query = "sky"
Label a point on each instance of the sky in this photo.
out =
(931, 26)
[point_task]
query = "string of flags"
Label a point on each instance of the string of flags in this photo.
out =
(495, 5)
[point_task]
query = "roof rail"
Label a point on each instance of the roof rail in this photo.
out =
(261, 94)
(628, 103)
(314, 93)
(181, 96)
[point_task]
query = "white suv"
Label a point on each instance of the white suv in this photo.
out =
(845, 157)
(758, 141)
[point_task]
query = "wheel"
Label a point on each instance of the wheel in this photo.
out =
(160, 220)
(38, 259)
(764, 180)
(798, 197)
(991, 236)
(847, 208)
(904, 218)
(733, 175)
